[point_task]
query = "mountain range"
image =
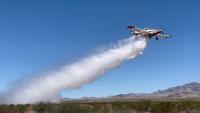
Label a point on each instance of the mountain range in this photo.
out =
(189, 90)
(186, 91)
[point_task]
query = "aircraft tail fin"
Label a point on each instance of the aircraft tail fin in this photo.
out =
(131, 27)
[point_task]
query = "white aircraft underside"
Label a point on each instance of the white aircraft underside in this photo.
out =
(148, 33)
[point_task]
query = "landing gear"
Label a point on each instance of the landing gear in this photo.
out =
(156, 38)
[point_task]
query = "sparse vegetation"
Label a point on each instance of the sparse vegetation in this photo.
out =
(185, 106)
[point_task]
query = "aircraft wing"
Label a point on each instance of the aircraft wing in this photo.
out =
(135, 30)
(138, 29)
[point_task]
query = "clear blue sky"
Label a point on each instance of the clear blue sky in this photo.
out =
(39, 36)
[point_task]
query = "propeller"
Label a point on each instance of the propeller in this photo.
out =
(161, 27)
(162, 32)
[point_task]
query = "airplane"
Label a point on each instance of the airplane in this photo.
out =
(148, 33)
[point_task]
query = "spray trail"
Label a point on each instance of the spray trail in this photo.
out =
(46, 88)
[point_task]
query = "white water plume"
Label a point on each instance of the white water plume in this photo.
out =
(47, 87)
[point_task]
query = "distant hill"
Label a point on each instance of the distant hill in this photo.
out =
(190, 90)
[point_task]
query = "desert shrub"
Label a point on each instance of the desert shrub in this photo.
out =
(184, 106)
(13, 108)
